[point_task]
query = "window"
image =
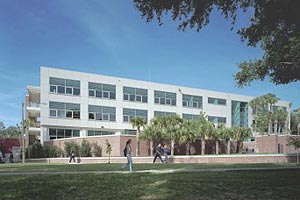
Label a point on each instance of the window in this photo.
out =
(96, 133)
(191, 101)
(64, 110)
(216, 101)
(217, 120)
(135, 94)
(56, 133)
(102, 90)
(102, 113)
(189, 116)
(162, 113)
(64, 86)
(129, 114)
(165, 98)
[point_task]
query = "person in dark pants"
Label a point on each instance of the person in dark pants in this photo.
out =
(166, 151)
(72, 156)
(158, 153)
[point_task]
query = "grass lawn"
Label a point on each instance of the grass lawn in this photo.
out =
(271, 184)
(34, 167)
(264, 184)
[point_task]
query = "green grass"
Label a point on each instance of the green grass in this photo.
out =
(34, 167)
(271, 184)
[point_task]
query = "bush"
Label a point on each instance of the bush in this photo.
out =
(71, 146)
(85, 149)
(96, 150)
(36, 150)
(52, 152)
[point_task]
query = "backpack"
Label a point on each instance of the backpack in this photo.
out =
(125, 152)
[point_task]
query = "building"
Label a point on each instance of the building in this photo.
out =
(70, 104)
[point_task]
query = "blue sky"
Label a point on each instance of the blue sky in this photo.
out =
(109, 37)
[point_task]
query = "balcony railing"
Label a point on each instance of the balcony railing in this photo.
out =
(34, 105)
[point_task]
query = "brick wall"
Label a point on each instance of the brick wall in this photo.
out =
(269, 144)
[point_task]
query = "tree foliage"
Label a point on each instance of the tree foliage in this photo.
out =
(274, 24)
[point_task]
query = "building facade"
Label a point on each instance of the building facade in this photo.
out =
(70, 104)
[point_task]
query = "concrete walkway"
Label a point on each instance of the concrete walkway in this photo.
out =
(167, 171)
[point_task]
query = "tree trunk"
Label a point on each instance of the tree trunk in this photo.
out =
(151, 148)
(237, 146)
(137, 149)
(202, 146)
(262, 143)
(276, 128)
(297, 156)
(187, 148)
(217, 147)
(172, 147)
(228, 146)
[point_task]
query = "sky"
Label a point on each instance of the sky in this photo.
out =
(110, 38)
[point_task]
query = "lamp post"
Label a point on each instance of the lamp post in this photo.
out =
(23, 135)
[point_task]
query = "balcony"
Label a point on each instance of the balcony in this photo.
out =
(35, 129)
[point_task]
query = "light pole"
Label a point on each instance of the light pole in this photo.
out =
(23, 135)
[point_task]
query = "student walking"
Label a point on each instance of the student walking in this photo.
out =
(158, 153)
(127, 153)
(166, 152)
(72, 156)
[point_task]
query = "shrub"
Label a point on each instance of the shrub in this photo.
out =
(36, 150)
(71, 146)
(52, 152)
(85, 149)
(96, 150)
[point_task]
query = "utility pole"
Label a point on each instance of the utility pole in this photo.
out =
(23, 135)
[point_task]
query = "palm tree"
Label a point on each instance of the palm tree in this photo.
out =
(149, 134)
(296, 143)
(138, 123)
(270, 100)
(204, 129)
(227, 135)
(240, 133)
(217, 135)
(188, 134)
(172, 129)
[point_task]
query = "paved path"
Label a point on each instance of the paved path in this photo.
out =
(149, 171)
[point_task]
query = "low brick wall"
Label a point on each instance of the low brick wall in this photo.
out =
(253, 158)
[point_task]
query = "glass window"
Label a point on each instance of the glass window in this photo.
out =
(76, 114)
(68, 90)
(61, 89)
(68, 133)
(53, 113)
(61, 113)
(184, 103)
(173, 102)
(168, 101)
(156, 100)
(105, 94)
(60, 133)
(162, 101)
(126, 97)
(112, 95)
(91, 115)
(76, 91)
(53, 88)
(138, 98)
(76, 133)
(132, 97)
(52, 132)
(98, 116)
(112, 118)
(98, 94)
(69, 114)
(144, 99)
(105, 117)
(125, 118)
(91, 93)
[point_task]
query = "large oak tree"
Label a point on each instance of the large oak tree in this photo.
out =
(275, 25)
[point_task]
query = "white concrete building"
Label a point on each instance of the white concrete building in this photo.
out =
(75, 104)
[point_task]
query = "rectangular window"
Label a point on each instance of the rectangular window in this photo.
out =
(216, 101)
(189, 116)
(165, 98)
(162, 113)
(217, 120)
(102, 90)
(92, 93)
(102, 113)
(192, 101)
(135, 94)
(129, 114)
(64, 110)
(64, 86)
(58, 133)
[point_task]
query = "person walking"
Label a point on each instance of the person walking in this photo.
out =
(166, 152)
(127, 153)
(72, 156)
(158, 153)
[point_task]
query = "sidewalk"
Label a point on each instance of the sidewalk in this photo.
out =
(167, 171)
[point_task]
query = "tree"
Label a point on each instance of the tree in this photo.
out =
(138, 123)
(240, 133)
(204, 129)
(85, 149)
(108, 149)
(295, 121)
(227, 135)
(188, 134)
(296, 143)
(173, 124)
(217, 135)
(273, 24)
(149, 134)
